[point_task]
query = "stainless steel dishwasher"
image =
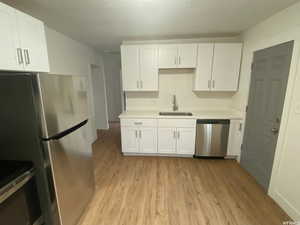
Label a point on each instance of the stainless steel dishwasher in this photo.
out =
(212, 138)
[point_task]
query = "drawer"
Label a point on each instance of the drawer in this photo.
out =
(138, 122)
(189, 123)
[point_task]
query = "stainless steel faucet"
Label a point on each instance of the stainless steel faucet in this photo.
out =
(175, 105)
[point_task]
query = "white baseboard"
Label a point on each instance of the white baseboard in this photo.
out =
(158, 154)
(285, 205)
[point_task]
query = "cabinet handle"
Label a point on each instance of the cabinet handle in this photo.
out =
(27, 59)
(178, 134)
(136, 134)
(140, 132)
(175, 60)
(28, 56)
(213, 83)
(138, 123)
(240, 127)
(174, 134)
(20, 56)
(137, 84)
(141, 84)
(179, 60)
(209, 84)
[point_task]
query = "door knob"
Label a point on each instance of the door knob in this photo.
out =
(275, 130)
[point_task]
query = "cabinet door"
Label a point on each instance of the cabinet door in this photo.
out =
(235, 138)
(33, 43)
(9, 43)
(149, 68)
(166, 140)
(168, 56)
(130, 67)
(187, 56)
(204, 67)
(130, 141)
(186, 140)
(226, 66)
(148, 139)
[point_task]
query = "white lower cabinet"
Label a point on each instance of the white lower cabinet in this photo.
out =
(186, 140)
(167, 140)
(158, 136)
(130, 141)
(176, 136)
(176, 140)
(148, 139)
(235, 138)
(139, 139)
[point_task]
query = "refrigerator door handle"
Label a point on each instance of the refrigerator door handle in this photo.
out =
(66, 132)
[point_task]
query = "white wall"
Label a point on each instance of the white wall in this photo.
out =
(178, 82)
(112, 68)
(282, 27)
(99, 97)
(69, 57)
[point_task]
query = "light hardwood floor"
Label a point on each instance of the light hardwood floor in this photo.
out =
(174, 191)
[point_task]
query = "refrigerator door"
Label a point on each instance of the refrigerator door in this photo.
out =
(72, 168)
(65, 112)
(64, 102)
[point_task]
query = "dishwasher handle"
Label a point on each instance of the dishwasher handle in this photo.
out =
(213, 121)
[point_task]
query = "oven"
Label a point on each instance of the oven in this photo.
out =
(19, 203)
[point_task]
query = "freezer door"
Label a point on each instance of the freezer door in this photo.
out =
(72, 167)
(64, 102)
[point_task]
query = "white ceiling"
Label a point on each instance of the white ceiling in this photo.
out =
(105, 23)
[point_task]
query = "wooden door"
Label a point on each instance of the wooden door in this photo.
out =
(269, 78)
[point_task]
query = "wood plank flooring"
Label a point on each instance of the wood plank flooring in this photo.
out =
(174, 191)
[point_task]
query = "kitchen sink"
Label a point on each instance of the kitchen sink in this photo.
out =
(175, 114)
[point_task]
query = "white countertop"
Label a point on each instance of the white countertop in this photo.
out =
(196, 115)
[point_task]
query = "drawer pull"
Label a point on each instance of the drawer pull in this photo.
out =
(138, 123)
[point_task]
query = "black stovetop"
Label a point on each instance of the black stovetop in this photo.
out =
(10, 170)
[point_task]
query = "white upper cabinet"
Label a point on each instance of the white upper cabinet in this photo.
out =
(33, 43)
(226, 66)
(187, 56)
(168, 56)
(177, 56)
(204, 67)
(9, 42)
(139, 67)
(130, 67)
(149, 68)
(23, 43)
(218, 67)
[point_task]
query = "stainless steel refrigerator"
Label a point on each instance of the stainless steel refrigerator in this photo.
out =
(44, 118)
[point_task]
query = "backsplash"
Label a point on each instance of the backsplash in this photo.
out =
(179, 82)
